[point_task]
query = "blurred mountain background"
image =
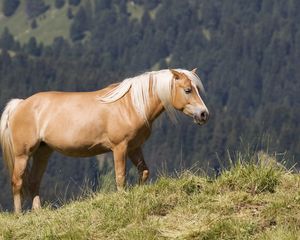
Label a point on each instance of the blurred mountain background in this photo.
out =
(247, 54)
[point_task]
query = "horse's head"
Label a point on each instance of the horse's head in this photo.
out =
(186, 97)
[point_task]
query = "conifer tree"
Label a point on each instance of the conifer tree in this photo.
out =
(9, 7)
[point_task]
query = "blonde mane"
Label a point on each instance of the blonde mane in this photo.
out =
(161, 83)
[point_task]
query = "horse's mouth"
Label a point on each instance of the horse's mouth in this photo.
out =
(198, 121)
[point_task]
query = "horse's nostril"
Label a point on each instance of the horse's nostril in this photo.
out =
(204, 115)
(201, 117)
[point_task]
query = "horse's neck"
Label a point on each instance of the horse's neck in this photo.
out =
(155, 109)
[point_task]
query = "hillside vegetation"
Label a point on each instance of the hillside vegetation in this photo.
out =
(254, 199)
(247, 54)
(49, 25)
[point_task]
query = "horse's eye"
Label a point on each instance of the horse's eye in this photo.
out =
(188, 90)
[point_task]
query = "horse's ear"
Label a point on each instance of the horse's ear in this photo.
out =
(175, 73)
(194, 70)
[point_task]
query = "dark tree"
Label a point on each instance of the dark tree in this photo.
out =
(7, 40)
(151, 4)
(79, 25)
(34, 8)
(34, 24)
(9, 7)
(70, 13)
(123, 6)
(146, 19)
(103, 4)
(32, 47)
(5, 58)
(74, 2)
(59, 3)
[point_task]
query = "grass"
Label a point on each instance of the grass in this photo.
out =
(136, 11)
(253, 199)
(55, 21)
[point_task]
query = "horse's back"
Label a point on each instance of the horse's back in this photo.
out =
(44, 104)
(56, 118)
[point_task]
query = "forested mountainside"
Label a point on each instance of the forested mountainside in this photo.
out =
(247, 54)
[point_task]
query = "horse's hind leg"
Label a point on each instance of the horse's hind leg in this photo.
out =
(137, 158)
(39, 165)
(17, 180)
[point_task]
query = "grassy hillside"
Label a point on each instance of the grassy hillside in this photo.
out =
(256, 200)
(51, 24)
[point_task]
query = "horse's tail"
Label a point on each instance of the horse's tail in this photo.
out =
(5, 134)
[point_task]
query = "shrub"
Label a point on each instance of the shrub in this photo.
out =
(259, 174)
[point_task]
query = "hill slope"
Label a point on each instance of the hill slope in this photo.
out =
(49, 25)
(247, 53)
(250, 201)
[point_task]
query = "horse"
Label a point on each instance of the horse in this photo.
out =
(117, 118)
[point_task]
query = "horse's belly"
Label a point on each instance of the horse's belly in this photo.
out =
(82, 151)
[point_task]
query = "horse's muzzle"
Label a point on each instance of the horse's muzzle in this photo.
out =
(201, 118)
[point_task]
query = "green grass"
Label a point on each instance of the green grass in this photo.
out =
(11, 53)
(256, 199)
(18, 23)
(135, 10)
(51, 24)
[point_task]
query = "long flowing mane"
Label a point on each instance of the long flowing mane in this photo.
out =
(157, 82)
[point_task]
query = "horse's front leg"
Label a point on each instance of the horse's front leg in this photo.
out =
(120, 155)
(137, 159)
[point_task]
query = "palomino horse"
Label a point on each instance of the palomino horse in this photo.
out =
(81, 124)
